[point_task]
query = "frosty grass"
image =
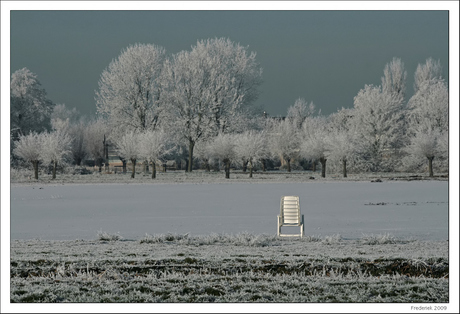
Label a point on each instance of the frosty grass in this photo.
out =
(229, 268)
(237, 268)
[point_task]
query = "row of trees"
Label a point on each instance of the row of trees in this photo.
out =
(154, 107)
(198, 93)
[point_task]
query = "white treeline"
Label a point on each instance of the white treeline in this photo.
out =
(197, 108)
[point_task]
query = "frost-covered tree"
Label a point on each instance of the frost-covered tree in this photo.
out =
(29, 148)
(69, 121)
(443, 148)
(55, 147)
(235, 87)
(378, 121)
(94, 137)
(190, 111)
(428, 109)
(427, 73)
(128, 147)
(315, 141)
(209, 89)
(428, 116)
(284, 141)
(342, 148)
(62, 117)
(425, 144)
(155, 145)
(130, 88)
(30, 109)
(223, 148)
(251, 146)
(300, 111)
(76, 132)
(203, 152)
(342, 119)
(394, 78)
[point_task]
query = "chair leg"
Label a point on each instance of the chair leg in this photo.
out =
(302, 228)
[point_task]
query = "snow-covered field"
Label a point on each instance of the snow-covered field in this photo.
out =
(200, 238)
(207, 203)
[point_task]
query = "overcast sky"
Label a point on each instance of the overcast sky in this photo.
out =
(322, 56)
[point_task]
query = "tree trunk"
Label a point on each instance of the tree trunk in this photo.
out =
(250, 169)
(190, 155)
(35, 164)
(78, 161)
(207, 168)
(323, 166)
(344, 167)
(313, 162)
(264, 167)
(227, 168)
(154, 170)
(54, 169)
(106, 155)
(288, 164)
(124, 165)
(99, 164)
(430, 165)
(245, 165)
(134, 168)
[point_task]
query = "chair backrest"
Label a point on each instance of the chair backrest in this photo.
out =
(290, 209)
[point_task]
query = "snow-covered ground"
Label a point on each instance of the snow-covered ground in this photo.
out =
(198, 237)
(201, 203)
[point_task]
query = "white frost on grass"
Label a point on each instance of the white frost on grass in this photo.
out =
(228, 268)
(105, 236)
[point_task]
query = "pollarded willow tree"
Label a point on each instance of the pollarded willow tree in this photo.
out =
(223, 148)
(251, 146)
(55, 147)
(426, 145)
(428, 118)
(128, 147)
(203, 152)
(30, 107)
(29, 148)
(315, 141)
(209, 89)
(155, 145)
(284, 141)
(130, 88)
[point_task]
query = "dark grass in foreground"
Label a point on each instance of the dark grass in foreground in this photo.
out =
(230, 268)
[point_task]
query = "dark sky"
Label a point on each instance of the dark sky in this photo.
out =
(322, 56)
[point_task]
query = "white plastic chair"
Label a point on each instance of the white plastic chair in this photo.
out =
(290, 215)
